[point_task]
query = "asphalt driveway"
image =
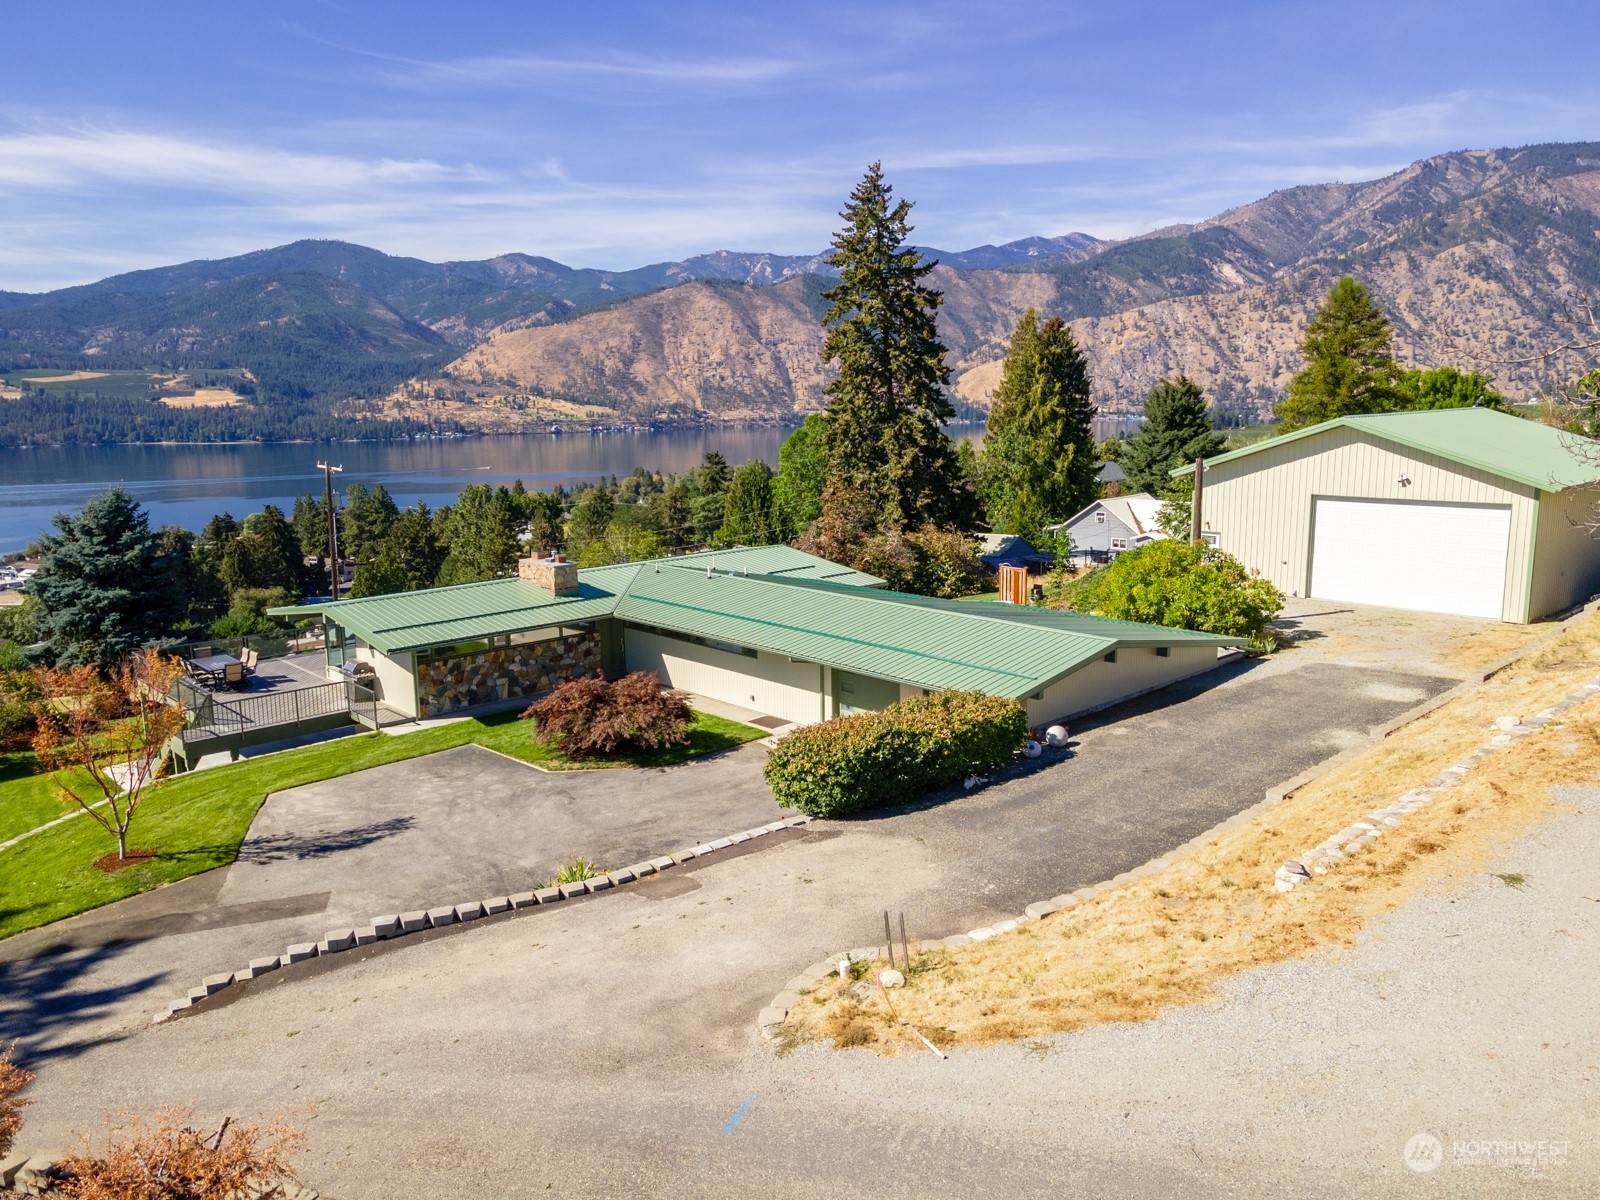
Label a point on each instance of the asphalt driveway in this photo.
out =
(460, 825)
(466, 824)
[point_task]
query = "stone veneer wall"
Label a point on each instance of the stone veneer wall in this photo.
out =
(502, 673)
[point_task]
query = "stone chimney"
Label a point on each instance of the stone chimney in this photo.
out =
(556, 575)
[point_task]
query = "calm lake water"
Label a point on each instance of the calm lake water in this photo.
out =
(187, 485)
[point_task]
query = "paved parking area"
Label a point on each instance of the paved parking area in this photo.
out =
(460, 825)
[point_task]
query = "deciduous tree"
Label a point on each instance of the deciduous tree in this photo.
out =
(107, 738)
(802, 474)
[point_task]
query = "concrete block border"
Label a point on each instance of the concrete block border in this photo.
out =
(391, 926)
(770, 1020)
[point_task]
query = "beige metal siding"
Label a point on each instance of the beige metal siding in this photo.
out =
(1261, 506)
(397, 682)
(1567, 557)
(768, 683)
(1102, 683)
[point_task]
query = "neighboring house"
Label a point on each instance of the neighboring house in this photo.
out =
(1463, 510)
(996, 550)
(1108, 527)
(769, 628)
(1112, 477)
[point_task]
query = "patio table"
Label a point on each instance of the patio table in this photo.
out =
(213, 664)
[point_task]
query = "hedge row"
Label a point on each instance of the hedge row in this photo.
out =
(879, 758)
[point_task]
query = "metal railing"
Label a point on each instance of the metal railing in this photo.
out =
(213, 716)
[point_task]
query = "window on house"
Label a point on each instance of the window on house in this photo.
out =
(1100, 517)
(1212, 539)
(1119, 543)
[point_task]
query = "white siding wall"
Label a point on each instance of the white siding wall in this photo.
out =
(1261, 505)
(397, 681)
(1568, 553)
(1102, 683)
(768, 683)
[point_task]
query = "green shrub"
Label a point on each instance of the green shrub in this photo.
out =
(880, 758)
(1183, 586)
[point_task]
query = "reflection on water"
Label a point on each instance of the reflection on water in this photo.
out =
(186, 485)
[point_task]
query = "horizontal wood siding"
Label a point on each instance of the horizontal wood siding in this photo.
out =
(1568, 553)
(1137, 669)
(1089, 534)
(1261, 506)
(768, 683)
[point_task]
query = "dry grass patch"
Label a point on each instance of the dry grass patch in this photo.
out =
(1168, 938)
(1487, 646)
(205, 398)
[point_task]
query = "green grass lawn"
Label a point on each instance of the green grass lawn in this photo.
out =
(27, 799)
(197, 821)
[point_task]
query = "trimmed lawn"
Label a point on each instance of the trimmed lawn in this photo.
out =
(27, 799)
(197, 821)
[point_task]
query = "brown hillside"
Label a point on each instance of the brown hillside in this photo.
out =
(727, 350)
(1474, 255)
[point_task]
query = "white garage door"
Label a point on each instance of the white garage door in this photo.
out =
(1448, 558)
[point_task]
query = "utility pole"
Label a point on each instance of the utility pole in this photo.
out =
(328, 471)
(1194, 506)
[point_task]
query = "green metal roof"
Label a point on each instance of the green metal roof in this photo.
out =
(1511, 447)
(1000, 649)
(779, 600)
(439, 616)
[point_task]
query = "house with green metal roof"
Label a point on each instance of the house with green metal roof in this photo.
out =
(1461, 510)
(788, 635)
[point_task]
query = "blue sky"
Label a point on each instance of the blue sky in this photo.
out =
(615, 134)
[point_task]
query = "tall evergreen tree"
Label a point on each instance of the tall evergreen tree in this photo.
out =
(481, 533)
(265, 555)
(670, 517)
(748, 515)
(881, 426)
(108, 584)
(1177, 430)
(1349, 361)
(1039, 462)
(713, 473)
(310, 521)
(408, 559)
(591, 516)
(365, 522)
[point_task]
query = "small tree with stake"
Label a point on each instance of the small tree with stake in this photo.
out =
(108, 737)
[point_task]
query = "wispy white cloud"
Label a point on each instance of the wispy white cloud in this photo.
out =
(538, 70)
(78, 155)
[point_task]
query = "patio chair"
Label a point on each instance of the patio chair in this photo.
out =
(250, 660)
(202, 677)
(233, 675)
(200, 651)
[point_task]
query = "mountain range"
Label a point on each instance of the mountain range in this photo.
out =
(1476, 256)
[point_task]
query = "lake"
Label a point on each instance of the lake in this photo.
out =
(187, 485)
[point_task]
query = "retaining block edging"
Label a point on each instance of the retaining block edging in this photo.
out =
(391, 926)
